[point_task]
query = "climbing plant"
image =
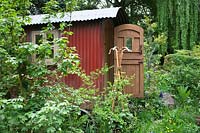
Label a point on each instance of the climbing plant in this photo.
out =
(179, 18)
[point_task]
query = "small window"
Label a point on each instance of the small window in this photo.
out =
(129, 43)
(38, 40)
(50, 38)
(38, 37)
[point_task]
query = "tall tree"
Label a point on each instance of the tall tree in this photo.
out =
(136, 9)
(179, 18)
(37, 5)
(88, 4)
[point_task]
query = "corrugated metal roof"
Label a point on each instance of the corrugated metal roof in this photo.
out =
(83, 15)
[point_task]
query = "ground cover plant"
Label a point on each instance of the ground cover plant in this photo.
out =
(176, 74)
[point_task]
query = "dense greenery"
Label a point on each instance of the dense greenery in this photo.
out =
(178, 76)
(184, 69)
(37, 5)
(136, 9)
(179, 18)
(32, 101)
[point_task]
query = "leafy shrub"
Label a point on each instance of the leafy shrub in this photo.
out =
(184, 68)
(176, 120)
(178, 76)
(111, 112)
(30, 99)
(151, 115)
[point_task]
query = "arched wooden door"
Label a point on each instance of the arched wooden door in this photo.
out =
(131, 36)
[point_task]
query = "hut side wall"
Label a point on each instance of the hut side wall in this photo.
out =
(108, 37)
(92, 40)
(89, 45)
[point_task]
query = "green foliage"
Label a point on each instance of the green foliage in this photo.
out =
(154, 48)
(38, 6)
(111, 112)
(183, 67)
(176, 120)
(52, 6)
(178, 76)
(180, 19)
(13, 55)
(136, 9)
(183, 94)
(11, 115)
(60, 113)
(30, 100)
(88, 4)
(55, 111)
(152, 114)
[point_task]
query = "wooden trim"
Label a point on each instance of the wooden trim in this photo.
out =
(55, 47)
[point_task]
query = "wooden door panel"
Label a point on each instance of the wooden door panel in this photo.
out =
(132, 56)
(128, 32)
(120, 41)
(133, 72)
(131, 36)
(131, 62)
(136, 45)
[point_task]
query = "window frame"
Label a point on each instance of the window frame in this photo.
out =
(48, 61)
(132, 41)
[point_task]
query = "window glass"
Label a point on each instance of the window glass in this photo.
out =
(129, 43)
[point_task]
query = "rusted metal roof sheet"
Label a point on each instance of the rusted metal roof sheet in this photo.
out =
(83, 15)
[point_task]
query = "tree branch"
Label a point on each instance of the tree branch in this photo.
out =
(109, 1)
